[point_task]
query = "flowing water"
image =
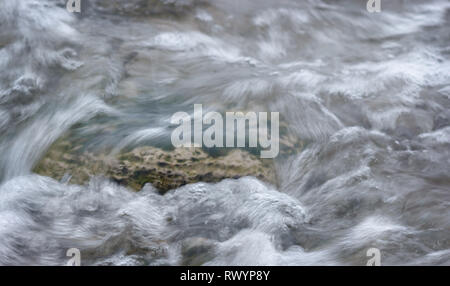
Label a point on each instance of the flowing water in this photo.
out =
(367, 93)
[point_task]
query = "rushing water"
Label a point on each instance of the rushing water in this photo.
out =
(369, 94)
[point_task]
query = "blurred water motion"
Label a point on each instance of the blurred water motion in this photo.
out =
(368, 93)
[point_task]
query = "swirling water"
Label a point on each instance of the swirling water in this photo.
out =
(369, 94)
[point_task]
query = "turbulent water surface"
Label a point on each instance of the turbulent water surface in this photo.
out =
(368, 94)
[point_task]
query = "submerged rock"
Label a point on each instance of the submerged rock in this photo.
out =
(196, 251)
(164, 169)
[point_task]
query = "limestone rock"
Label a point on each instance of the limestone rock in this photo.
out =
(164, 169)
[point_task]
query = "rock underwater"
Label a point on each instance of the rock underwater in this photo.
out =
(164, 169)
